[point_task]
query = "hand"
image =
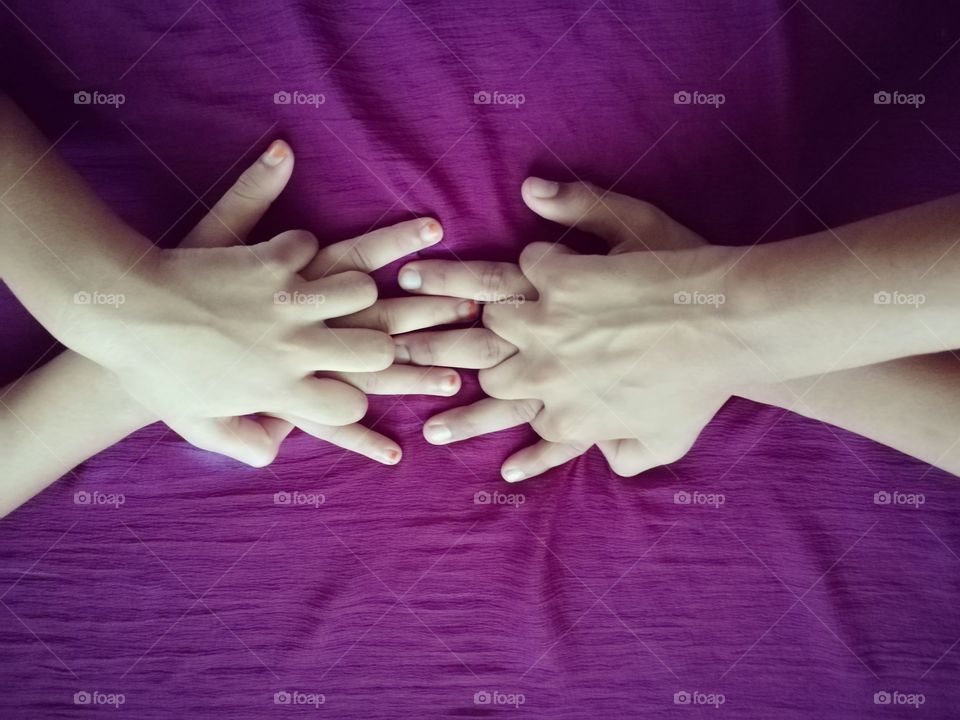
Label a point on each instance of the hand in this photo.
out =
(589, 303)
(310, 403)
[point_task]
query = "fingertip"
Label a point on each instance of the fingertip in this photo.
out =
(391, 455)
(512, 474)
(437, 433)
(409, 278)
(277, 154)
(431, 231)
(539, 189)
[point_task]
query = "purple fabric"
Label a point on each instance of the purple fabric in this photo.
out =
(400, 596)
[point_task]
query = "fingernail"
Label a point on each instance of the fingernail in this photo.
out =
(410, 279)
(467, 309)
(437, 433)
(449, 384)
(431, 232)
(401, 353)
(512, 474)
(391, 457)
(275, 154)
(542, 189)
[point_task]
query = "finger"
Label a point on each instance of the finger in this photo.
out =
(478, 280)
(402, 315)
(290, 250)
(375, 249)
(485, 416)
(404, 380)
(627, 457)
(344, 350)
(537, 459)
(324, 401)
(355, 438)
(507, 380)
(470, 348)
(538, 261)
(627, 224)
(335, 295)
(253, 441)
(235, 214)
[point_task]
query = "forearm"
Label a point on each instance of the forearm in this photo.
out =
(56, 237)
(912, 404)
(868, 292)
(56, 417)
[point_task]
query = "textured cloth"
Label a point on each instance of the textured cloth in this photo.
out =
(783, 590)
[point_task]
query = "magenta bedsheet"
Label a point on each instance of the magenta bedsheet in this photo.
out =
(400, 595)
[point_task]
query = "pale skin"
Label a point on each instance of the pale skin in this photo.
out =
(601, 353)
(72, 408)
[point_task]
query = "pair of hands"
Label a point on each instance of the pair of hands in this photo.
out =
(232, 345)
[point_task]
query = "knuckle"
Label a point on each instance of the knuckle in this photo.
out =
(358, 256)
(492, 280)
(248, 188)
(490, 350)
(423, 351)
(388, 317)
(523, 411)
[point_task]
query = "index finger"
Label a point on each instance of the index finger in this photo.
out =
(478, 280)
(373, 250)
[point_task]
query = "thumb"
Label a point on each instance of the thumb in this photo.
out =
(626, 223)
(292, 250)
(253, 441)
